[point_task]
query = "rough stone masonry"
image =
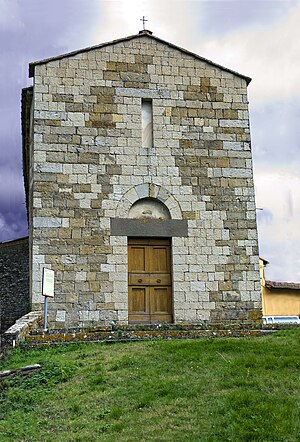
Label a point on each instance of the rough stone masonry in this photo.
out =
(87, 167)
(14, 276)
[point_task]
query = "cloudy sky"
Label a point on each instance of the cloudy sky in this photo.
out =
(258, 38)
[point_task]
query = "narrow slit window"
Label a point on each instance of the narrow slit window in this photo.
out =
(147, 123)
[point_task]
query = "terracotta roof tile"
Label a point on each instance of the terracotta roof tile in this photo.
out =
(283, 285)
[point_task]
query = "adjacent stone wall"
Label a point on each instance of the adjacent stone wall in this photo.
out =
(14, 281)
(90, 168)
(17, 333)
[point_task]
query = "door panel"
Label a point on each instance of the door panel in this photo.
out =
(160, 279)
(138, 279)
(160, 300)
(159, 259)
(149, 278)
(137, 258)
(138, 305)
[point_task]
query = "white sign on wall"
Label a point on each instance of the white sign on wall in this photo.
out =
(48, 283)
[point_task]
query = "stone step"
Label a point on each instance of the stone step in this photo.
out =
(139, 333)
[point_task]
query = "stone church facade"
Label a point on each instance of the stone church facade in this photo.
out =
(139, 185)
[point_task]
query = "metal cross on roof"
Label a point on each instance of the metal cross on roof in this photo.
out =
(144, 21)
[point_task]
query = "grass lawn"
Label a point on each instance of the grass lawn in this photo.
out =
(210, 390)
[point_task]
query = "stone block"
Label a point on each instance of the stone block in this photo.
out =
(47, 222)
(87, 315)
(60, 316)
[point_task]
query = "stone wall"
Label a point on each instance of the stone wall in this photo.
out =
(90, 167)
(14, 281)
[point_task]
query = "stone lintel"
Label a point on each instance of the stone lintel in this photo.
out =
(148, 227)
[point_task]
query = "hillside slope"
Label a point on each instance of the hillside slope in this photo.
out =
(210, 390)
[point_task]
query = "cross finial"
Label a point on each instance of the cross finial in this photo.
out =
(144, 21)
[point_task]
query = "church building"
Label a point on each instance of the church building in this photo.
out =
(140, 196)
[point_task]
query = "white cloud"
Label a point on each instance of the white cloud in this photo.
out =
(268, 53)
(278, 191)
(167, 19)
(278, 194)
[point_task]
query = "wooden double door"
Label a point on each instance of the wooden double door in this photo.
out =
(149, 279)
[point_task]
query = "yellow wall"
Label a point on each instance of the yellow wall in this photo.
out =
(278, 302)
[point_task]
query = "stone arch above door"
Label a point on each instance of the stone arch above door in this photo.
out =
(152, 191)
(149, 208)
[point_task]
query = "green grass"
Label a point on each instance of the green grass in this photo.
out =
(210, 390)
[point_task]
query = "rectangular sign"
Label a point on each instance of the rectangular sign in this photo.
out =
(48, 283)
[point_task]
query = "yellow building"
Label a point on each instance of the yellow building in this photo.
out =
(279, 298)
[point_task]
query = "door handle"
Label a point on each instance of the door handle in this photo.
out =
(159, 280)
(140, 280)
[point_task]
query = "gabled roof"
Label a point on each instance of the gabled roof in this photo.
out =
(283, 285)
(133, 37)
(265, 261)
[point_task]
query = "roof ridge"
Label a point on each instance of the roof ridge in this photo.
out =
(282, 285)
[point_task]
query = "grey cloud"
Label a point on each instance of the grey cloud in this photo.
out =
(30, 30)
(276, 132)
(283, 260)
(264, 216)
(13, 219)
(221, 17)
(13, 225)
